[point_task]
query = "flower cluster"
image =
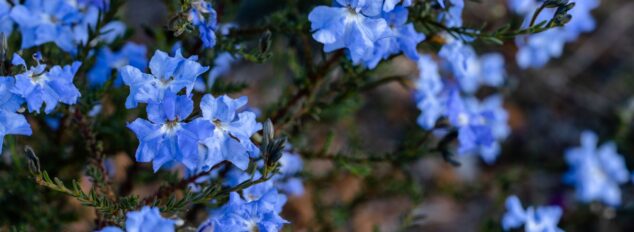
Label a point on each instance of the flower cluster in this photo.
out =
(63, 22)
(534, 219)
(536, 50)
(369, 30)
(37, 86)
(221, 134)
(480, 124)
(252, 213)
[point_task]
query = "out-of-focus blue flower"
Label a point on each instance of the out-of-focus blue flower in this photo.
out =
(43, 21)
(169, 74)
(403, 38)
(351, 24)
(38, 86)
(231, 139)
(11, 123)
(102, 5)
(474, 129)
(428, 89)
(148, 219)
(165, 137)
(453, 15)
(291, 165)
(534, 219)
(222, 65)
(206, 25)
(494, 120)
(6, 24)
(130, 54)
(111, 229)
(470, 70)
(389, 5)
(536, 50)
(596, 172)
(90, 15)
(522, 7)
(239, 215)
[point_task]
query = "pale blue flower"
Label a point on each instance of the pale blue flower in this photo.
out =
(169, 74)
(403, 38)
(43, 21)
(222, 66)
(596, 172)
(389, 5)
(165, 137)
(130, 54)
(238, 215)
(495, 119)
(6, 23)
(38, 86)
(534, 219)
(231, 140)
(286, 180)
(11, 123)
(427, 95)
(452, 16)
(351, 24)
(148, 219)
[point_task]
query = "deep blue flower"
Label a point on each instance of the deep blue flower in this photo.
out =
(534, 219)
(169, 74)
(148, 219)
(351, 24)
(38, 86)
(11, 123)
(43, 21)
(206, 25)
(6, 23)
(130, 54)
(239, 215)
(231, 139)
(596, 172)
(165, 137)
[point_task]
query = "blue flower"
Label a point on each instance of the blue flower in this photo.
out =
(6, 24)
(389, 5)
(206, 26)
(239, 215)
(39, 86)
(231, 139)
(470, 70)
(286, 180)
(43, 21)
(494, 121)
(222, 65)
(165, 137)
(453, 15)
(539, 219)
(131, 54)
(169, 74)
(148, 219)
(90, 16)
(427, 95)
(537, 49)
(596, 172)
(403, 38)
(11, 123)
(351, 24)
